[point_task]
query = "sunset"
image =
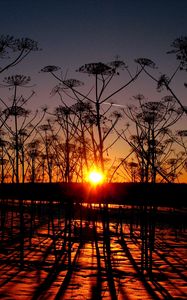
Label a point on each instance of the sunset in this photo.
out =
(93, 149)
(95, 177)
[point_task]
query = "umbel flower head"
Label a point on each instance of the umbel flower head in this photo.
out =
(71, 83)
(50, 69)
(100, 68)
(16, 111)
(180, 49)
(6, 42)
(96, 69)
(66, 84)
(26, 44)
(145, 62)
(17, 80)
(182, 133)
(117, 63)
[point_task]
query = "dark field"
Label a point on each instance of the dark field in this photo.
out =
(50, 250)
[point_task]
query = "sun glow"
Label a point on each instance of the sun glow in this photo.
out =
(95, 177)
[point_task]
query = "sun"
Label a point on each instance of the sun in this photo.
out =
(95, 177)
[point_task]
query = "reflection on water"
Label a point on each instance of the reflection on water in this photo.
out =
(54, 251)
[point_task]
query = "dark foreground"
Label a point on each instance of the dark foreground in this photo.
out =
(54, 249)
(158, 194)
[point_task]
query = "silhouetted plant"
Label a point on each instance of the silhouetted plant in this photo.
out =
(3, 149)
(164, 81)
(179, 46)
(97, 116)
(16, 122)
(33, 153)
(15, 50)
(152, 121)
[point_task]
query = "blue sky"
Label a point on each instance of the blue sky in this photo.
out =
(72, 33)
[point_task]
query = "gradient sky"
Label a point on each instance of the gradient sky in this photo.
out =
(72, 33)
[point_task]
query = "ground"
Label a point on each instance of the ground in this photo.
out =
(45, 272)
